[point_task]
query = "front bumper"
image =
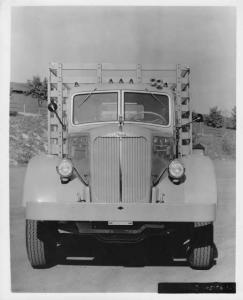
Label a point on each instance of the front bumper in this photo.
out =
(121, 212)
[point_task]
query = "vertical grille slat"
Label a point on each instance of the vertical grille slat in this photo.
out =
(105, 175)
(135, 170)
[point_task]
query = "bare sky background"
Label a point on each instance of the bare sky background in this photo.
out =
(202, 37)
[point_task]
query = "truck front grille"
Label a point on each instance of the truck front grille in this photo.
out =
(121, 170)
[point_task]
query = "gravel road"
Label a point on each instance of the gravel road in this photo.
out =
(123, 270)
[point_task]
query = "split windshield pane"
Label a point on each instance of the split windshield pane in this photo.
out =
(147, 108)
(96, 107)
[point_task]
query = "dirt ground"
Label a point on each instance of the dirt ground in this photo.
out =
(123, 270)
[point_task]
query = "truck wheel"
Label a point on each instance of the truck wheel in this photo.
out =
(201, 258)
(40, 243)
(202, 250)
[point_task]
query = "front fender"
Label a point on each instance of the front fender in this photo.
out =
(199, 186)
(42, 183)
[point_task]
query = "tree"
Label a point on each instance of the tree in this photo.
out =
(233, 117)
(215, 118)
(37, 89)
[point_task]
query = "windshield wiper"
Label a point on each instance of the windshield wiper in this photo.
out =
(87, 97)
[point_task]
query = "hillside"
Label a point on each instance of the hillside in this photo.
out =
(27, 137)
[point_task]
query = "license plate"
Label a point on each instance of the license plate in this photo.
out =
(120, 223)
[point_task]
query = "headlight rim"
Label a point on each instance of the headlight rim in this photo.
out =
(173, 175)
(70, 173)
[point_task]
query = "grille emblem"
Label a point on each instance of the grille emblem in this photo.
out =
(117, 134)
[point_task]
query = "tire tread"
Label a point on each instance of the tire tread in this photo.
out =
(203, 251)
(38, 251)
(202, 258)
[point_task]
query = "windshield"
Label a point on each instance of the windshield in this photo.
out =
(95, 107)
(147, 108)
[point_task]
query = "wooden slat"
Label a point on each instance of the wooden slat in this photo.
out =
(55, 148)
(184, 94)
(185, 100)
(184, 107)
(119, 67)
(139, 73)
(99, 73)
(53, 121)
(48, 115)
(184, 81)
(109, 66)
(60, 109)
(53, 71)
(54, 93)
(79, 79)
(55, 134)
(161, 68)
(178, 93)
(185, 71)
(184, 86)
(185, 135)
(185, 121)
(186, 149)
(83, 66)
(65, 86)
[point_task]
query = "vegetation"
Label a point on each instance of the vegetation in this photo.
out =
(219, 143)
(27, 137)
(215, 118)
(38, 89)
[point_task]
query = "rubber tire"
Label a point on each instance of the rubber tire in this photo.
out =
(40, 247)
(202, 250)
(202, 258)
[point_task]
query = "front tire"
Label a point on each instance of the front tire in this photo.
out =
(202, 250)
(202, 258)
(40, 243)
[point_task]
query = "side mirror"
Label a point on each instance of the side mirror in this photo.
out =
(52, 107)
(198, 118)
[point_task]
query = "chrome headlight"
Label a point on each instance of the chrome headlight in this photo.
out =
(65, 168)
(176, 169)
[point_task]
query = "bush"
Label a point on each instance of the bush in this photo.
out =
(215, 118)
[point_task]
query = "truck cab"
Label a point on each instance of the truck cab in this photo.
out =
(121, 166)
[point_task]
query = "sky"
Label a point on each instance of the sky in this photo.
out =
(202, 37)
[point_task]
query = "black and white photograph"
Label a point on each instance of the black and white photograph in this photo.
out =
(122, 149)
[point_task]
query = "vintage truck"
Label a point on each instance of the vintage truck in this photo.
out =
(121, 166)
